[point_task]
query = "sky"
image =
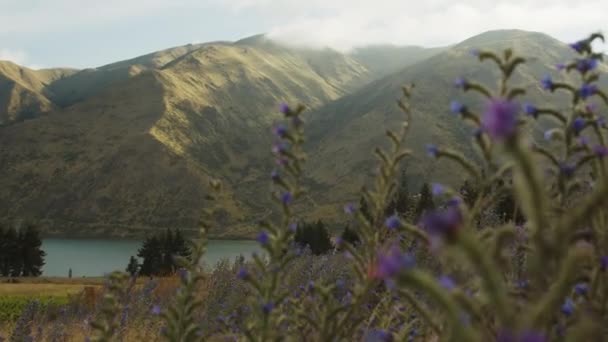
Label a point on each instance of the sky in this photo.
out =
(87, 33)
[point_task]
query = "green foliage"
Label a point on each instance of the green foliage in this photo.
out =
(11, 307)
(159, 253)
(132, 267)
(20, 252)
(314, 236)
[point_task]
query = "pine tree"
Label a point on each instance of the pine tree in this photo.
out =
(167, 253)
(315, 236)
(350, 236)
(425, 202)
(13, 262)
(151, 253)
(469, 193)
(133, 266)
(32, 255)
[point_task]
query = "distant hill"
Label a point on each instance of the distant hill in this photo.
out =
(127, 148)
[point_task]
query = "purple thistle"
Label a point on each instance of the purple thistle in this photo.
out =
(446, 282)
(243, 274)
(581, 289)
(350, 208)
(378, 335)
(454, 201)
(587, 90)
(578, 125)
(457, 107)
(263, 238)
(547, 83)
(530, 109)
(578, 46)
(267, 308)
(392, 222)
(437, 189)
(567, 169)
(286, 198)
(280, 130)
(274, 175)
(390, 262)
(585, 65)
(444, 223)
(284, 108)
(279, 148)
(156, 310)
(568, 307)
(500, 118)
(600, 150)
(604, 263)
(432, 150)
(461, 83)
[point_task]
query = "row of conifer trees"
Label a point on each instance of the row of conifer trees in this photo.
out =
(21, 253)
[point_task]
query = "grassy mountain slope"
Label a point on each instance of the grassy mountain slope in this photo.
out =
(136, 152)
(383, 60)
(342, 143)
(23, 91)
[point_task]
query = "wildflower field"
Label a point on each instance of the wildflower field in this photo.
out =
(450, 275)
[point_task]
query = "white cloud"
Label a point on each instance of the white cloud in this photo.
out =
(346, 23)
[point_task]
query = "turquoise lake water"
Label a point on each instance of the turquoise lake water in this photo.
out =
(96, 257)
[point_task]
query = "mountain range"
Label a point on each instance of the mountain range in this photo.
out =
(128, 148)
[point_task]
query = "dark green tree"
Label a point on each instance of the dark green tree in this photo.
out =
(350, 236)
(151, 253)
(31, 253)
(314, 235)
(133, 266)
(425, 201)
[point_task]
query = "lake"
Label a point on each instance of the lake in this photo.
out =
(95, 257)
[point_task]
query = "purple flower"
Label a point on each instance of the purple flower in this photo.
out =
(286, 197)
(350, 208)
(437, 189)
(568, 307)
(392, 222)
(585, 65)
(279, 148)
(156, 310)
(280, 130)
(378, 335)
(578, 46)
(500, 118)
(457, 107)
(243, 274)
(583, 140)
(274, 175)
(581, 289)
(284, 108)
(567, 169)
(526, 336)
(183, 274)
(578, 125)
(547, 82)
(391, 262)
(445, 222)
(460, 82)
(604, 263)
(530, 109)
(432, 150)
(267, 308)
(560, 66)
(447, 282)
(293, 226)
(600, 151)
(587, 90)
(263, 238)
(454, 201)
